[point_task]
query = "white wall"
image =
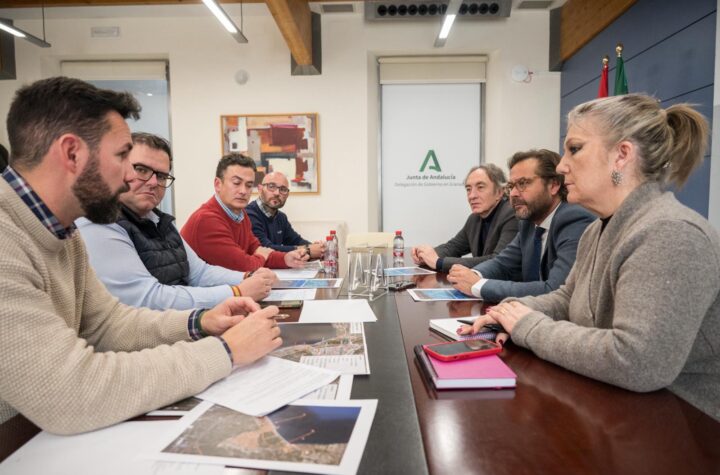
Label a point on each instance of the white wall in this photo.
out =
(203, 60)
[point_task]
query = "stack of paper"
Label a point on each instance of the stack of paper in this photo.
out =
(266, 385)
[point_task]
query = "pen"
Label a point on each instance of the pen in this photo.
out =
(466, 321)
(493, 327)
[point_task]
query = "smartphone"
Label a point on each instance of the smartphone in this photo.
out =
(282, 303)
(402, 285)
(460, 350)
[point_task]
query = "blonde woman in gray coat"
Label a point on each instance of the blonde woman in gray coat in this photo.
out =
(641, 306)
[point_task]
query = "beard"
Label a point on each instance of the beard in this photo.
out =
(279, 204)
(97, 200)
(533, 210)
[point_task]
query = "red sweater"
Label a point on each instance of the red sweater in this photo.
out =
(220, 241)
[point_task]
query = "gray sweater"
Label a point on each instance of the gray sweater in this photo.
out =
(641, 307)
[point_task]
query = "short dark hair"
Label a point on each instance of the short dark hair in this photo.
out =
(44, 110)
(546, 168)
(494, 172)
(154, 142)
(234, 159)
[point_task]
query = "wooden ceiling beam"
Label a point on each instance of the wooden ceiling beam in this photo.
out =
(582, 20)
(293, 17)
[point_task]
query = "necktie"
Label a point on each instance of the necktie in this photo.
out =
(534, 270)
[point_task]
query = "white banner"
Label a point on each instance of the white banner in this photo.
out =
(430, 139)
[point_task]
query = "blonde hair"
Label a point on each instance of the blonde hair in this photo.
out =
(671, 142)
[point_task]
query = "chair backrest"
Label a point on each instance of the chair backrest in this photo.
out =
(4, 155)
(369, 240)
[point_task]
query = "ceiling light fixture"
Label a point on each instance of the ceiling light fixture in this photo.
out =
(450, 15)
(15, 31)
(225, 20)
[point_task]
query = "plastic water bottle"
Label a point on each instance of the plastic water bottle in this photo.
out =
(337, 245)
(398, 248)
(330, 257)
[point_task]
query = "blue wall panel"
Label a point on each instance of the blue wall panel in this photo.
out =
(669, 53)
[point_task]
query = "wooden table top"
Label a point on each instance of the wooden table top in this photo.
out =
(554, 421)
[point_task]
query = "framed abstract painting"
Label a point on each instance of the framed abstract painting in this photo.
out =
(286, 143)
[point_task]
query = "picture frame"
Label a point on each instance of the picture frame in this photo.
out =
(288, 143)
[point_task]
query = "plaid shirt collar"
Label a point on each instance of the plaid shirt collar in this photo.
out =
(36, 205)
(269, 212)
(235, 217)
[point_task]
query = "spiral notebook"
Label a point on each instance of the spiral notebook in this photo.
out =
(448, 328)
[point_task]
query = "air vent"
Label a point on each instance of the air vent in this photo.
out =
(337, 8)
(534, 4)
(429, 10)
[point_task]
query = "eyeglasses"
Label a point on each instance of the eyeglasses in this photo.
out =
(521, 184)
(144, 173)
(284, 190)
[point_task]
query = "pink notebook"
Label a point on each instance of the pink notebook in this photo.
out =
(481, 372)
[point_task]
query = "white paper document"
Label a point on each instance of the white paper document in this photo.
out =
(346, 364)
(336, 311)
(337, 346)
(295, 273)
(308, 284)
(266, 385)
(306, 436)
(117, 450)
(338, 390)
(291, 294)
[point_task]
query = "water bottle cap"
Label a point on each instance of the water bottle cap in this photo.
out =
(332, 231)
(398, 233)
(328, 238)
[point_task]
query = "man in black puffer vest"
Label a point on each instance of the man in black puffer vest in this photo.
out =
(143, 260)
(159, 245)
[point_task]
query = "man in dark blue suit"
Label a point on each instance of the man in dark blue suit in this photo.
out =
(540, 257)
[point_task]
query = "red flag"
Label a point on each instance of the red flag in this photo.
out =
(603, 88)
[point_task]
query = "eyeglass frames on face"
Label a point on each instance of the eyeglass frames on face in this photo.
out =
(284, 190)
(145, 173)
(521, 184)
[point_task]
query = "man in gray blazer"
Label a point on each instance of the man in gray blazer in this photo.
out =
(490, 227)
(540, 257)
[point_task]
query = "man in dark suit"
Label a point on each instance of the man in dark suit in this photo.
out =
(540, 257)
(490, 227)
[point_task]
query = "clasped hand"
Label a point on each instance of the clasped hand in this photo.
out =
(249, 331)
(424, 254)
(506, 314)
(463, 278)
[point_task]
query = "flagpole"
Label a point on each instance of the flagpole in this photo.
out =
(603, 87)
(621, 86)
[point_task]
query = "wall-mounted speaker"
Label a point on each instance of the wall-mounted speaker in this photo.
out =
(378, 10)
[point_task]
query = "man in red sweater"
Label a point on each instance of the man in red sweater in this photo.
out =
(220, 231)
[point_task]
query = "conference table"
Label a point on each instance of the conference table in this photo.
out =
(554, 421)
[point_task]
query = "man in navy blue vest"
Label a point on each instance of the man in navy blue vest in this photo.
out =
(270, 225)
(143, 260)
(540, 257)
